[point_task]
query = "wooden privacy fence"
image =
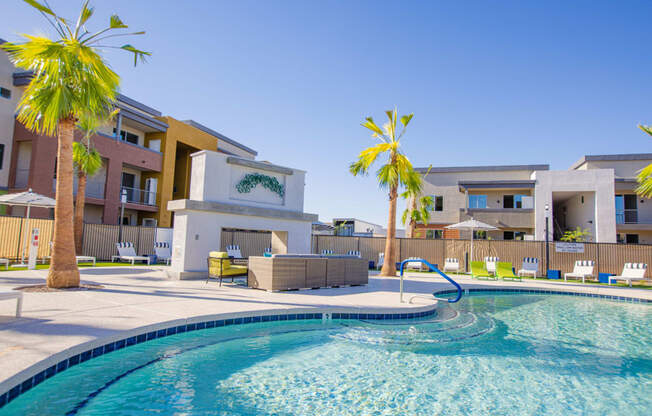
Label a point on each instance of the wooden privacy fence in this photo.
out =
(98, 240)
(251, 243)
(609, 257)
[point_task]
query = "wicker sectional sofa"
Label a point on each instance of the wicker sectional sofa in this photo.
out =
(300, 271)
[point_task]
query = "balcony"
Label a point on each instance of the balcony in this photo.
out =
(139, 196)
(630, 220)
(627, 216)
(501, 217)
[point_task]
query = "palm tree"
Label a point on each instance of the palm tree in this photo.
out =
(397, 172)
(71, 80)
(644, 177)
(416, 212)
(87, 161)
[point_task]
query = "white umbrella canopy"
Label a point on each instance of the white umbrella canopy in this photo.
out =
(472, 225)
(27, 199)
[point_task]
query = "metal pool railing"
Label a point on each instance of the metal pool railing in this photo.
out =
(434, 269)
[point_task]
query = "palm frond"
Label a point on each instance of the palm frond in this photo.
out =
(644, 179)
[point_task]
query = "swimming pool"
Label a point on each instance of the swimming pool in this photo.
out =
(489, 354)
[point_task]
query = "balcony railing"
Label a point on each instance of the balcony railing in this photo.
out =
(139, 196)
(627, 216)
(94, 189)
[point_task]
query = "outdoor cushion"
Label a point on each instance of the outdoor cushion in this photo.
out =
(504, 271)
(223, 267)
(478, 269)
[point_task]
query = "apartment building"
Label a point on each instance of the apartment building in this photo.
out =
(595, 194)
(8, 100)
(357, 228)
(146, 158)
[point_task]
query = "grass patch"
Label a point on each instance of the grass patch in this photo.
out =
(81, 265)
(636, 285)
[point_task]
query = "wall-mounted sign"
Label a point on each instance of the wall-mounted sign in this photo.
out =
(569, 247)
(251, 180)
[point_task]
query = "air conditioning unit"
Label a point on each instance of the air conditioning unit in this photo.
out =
(149, 222)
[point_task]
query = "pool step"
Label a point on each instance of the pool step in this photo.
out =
(452, 328)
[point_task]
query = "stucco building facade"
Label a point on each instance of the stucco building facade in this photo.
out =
(596, 194)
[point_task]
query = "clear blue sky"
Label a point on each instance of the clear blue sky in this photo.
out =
(489, 82)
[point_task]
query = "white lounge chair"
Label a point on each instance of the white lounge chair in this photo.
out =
(127, 252)
(451, 265)
(354, 253)
(381, 260)
(491, 264)
(631, 271)
(163, 252)
(327, 252)
(234, 251)
(414, 264)
(581, 270)
(5, 262)
(13, 294)
(530, 266)
(80, 259)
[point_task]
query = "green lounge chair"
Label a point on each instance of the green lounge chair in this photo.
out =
(478, 270)
(504, 270)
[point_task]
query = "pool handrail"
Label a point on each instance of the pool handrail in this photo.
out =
(435, 269)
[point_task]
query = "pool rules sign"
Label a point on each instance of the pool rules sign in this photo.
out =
(33, 249)
(569, 247)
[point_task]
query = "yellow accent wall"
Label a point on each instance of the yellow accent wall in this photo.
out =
(176, 168)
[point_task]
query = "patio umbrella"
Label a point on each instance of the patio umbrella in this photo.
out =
(27, 199)
(472, 225)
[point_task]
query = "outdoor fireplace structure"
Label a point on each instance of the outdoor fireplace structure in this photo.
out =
(232, 192)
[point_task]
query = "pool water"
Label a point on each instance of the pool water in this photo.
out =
(488, 354)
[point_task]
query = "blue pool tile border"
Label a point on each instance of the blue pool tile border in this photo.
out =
(95, 352)
(544, 292)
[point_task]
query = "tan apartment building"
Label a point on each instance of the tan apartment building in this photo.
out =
(596, 194)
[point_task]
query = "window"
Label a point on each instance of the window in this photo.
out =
(479, 235)
(2, 154)
(513, 201)
(434, 234)
(438, 202)
(626, 209)
(513, 235)
(477, 201)
(127, 137)
(508, 202)
(5, 93)
(631, 238)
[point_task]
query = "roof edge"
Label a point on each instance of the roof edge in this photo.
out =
(611, 158)
(219, 136)
(490, 168)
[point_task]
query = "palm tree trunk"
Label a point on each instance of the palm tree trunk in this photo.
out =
(63, 267)
(389, 267)
(80, 201)
(413, 223)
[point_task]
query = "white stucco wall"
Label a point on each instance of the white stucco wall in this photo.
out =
(600, 182)
(7, 113)
(213, 179)
(580, 214)
(196, 233)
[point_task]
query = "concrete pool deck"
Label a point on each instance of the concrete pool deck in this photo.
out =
(133, 300)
